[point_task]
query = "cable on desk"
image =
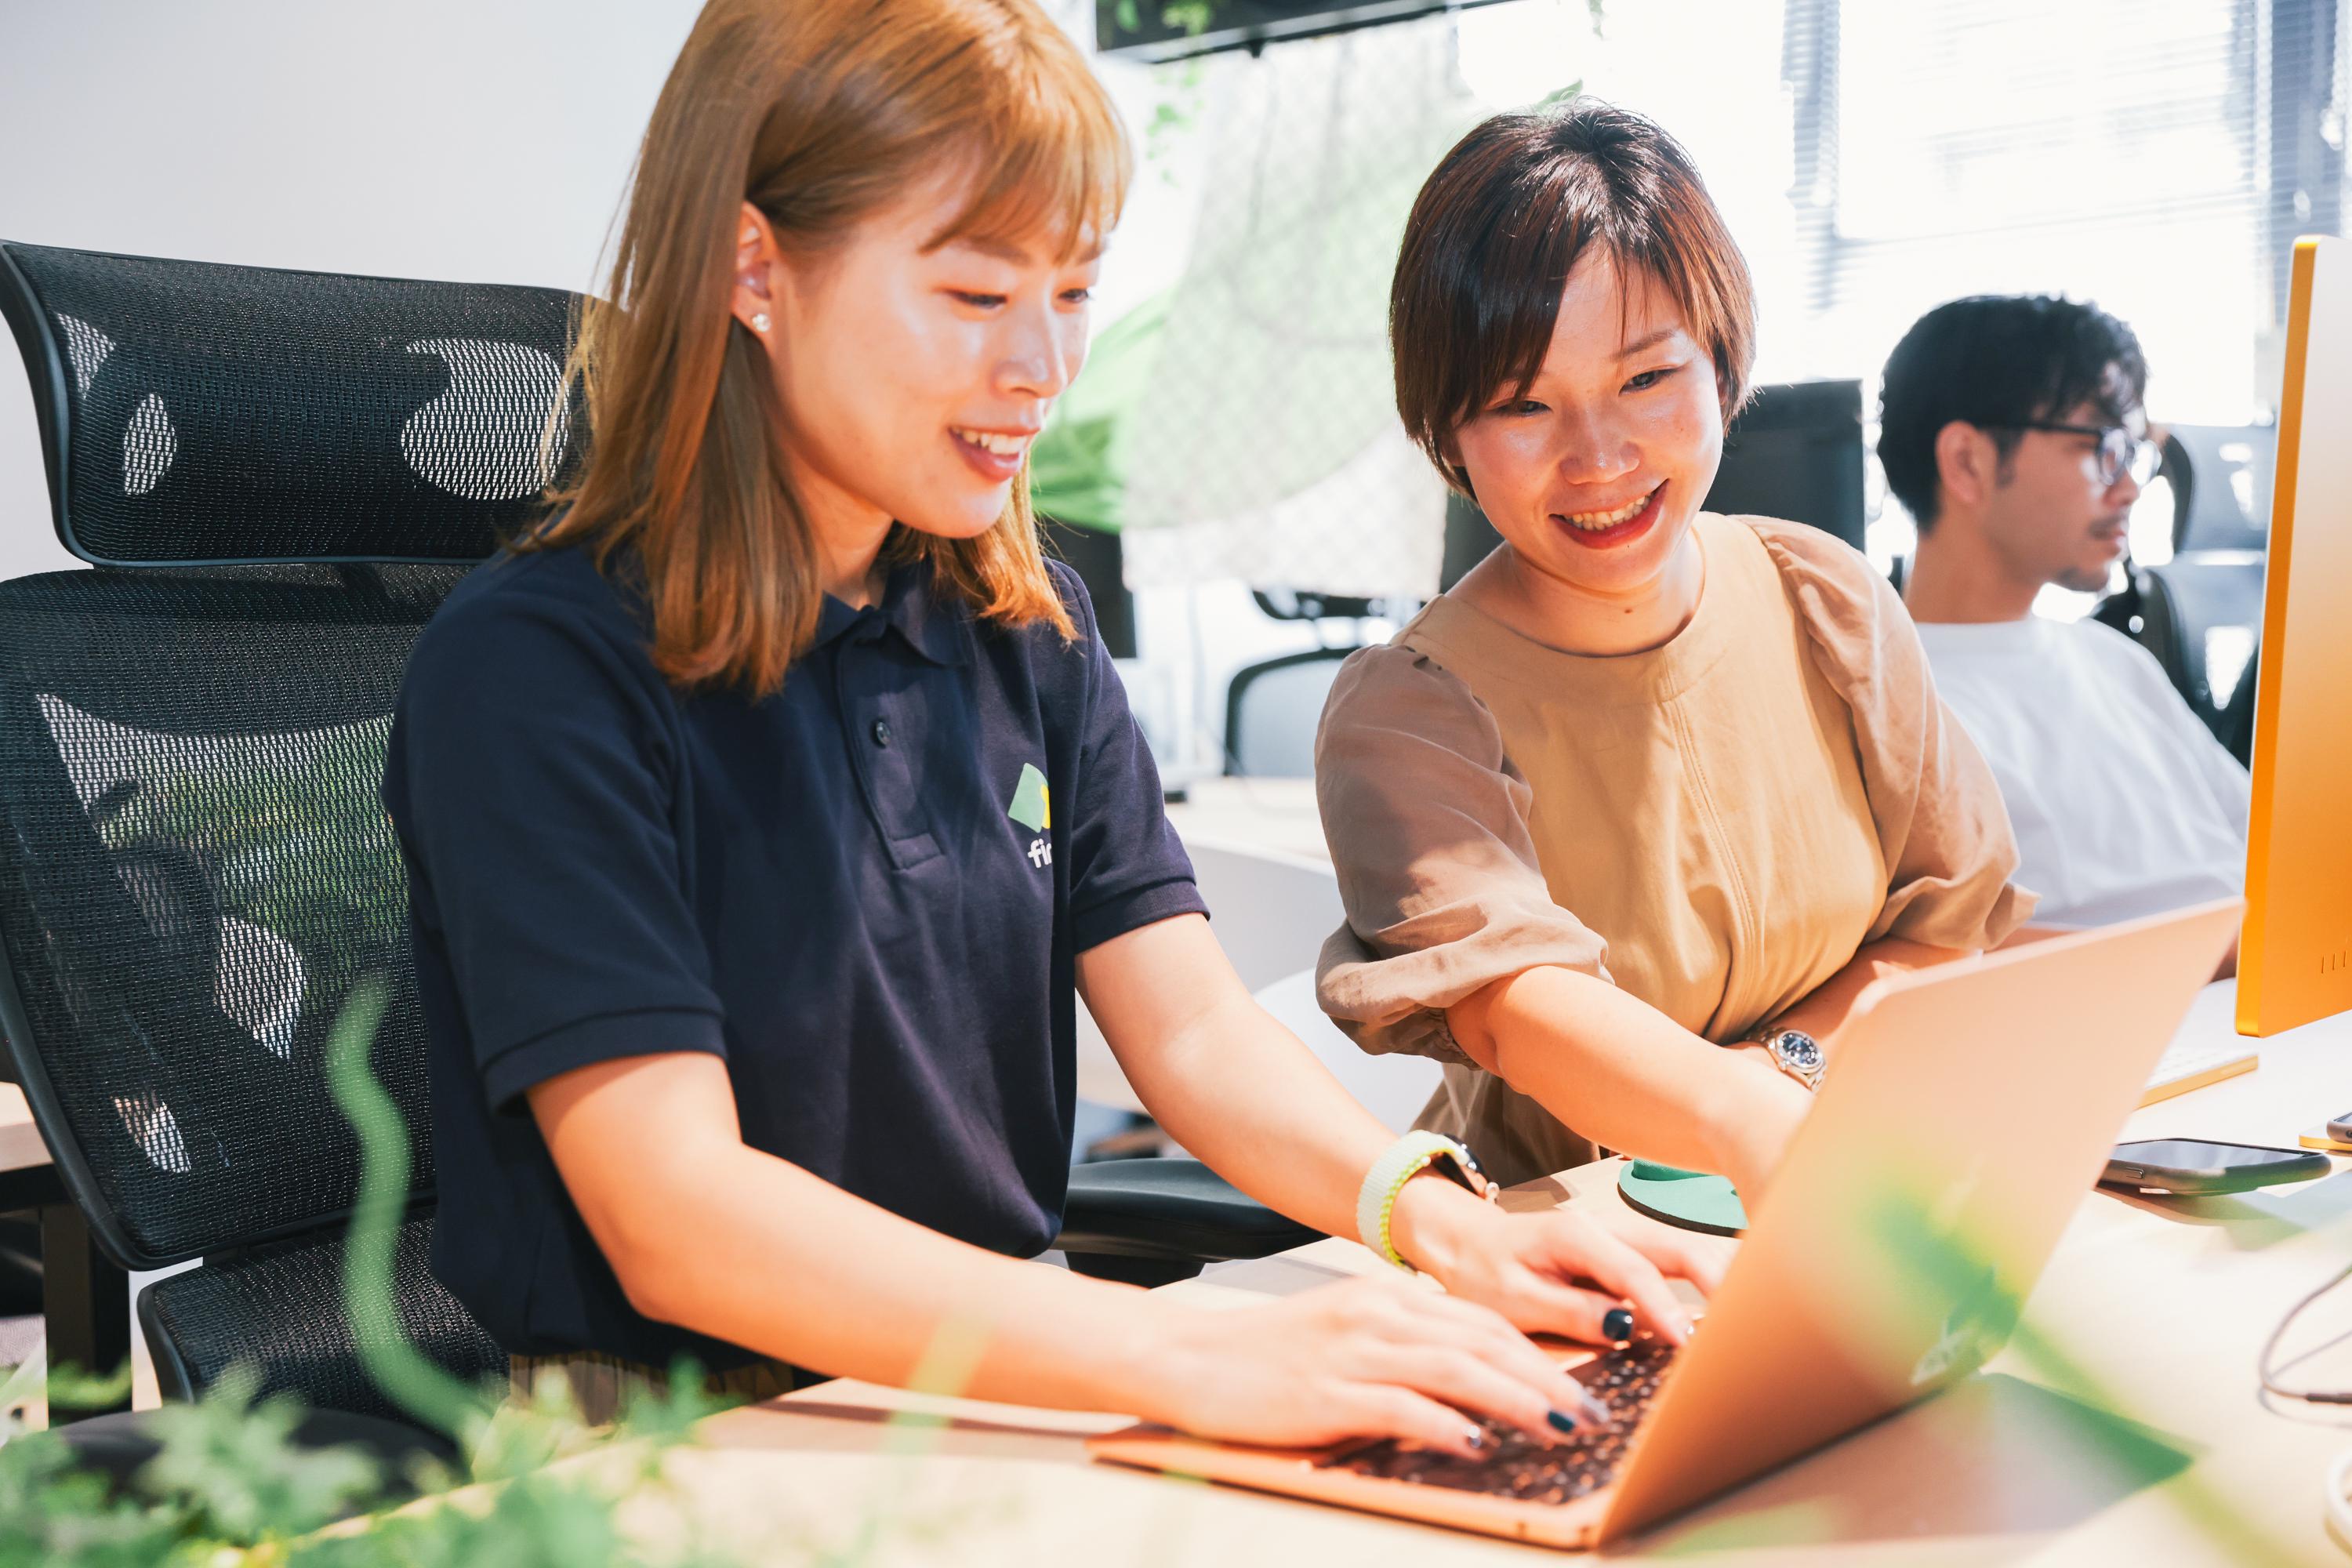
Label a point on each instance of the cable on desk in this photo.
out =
(2339, 1471)
(2270, 1349)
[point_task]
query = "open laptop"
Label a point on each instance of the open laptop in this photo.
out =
(1968, 1111)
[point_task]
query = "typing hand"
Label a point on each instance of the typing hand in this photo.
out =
(1594, 1274)
(1371, 1358)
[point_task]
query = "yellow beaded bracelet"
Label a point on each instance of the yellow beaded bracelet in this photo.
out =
(1405, 1159)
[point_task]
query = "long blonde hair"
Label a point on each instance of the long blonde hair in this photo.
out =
(818, 113)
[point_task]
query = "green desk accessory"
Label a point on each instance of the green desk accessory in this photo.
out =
(1690, 1199)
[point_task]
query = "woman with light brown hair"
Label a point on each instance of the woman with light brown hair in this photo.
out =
(766, 808)
(1625, 820)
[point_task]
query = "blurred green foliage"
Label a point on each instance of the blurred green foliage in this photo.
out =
(230, 1485)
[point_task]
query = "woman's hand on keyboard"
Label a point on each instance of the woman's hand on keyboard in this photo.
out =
(1371, 1358)
(1560, 1271)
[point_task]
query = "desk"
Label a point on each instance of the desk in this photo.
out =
(1260, 814)
(21, 1148)
(2166, 1303)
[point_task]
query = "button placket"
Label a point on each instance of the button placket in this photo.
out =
(879, 756)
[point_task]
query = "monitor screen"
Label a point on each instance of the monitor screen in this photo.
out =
(1795, 452)
(1154, 31)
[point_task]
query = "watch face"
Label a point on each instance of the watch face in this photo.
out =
(1800, 1051)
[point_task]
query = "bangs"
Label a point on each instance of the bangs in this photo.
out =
(1052, 165)
(1511, 303)
(1501, 224)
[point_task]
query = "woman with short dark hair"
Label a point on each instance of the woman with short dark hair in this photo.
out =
(1647, 779)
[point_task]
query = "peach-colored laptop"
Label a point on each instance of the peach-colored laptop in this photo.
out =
(1967, 1112)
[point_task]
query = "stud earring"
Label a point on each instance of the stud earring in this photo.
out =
(760, 322)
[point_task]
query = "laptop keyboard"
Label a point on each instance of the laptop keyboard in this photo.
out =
(1518, 1466)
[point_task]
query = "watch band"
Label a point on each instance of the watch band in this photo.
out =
(1794, 1052)
(1403, 1160)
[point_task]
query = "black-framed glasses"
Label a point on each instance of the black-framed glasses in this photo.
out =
(2119, 451)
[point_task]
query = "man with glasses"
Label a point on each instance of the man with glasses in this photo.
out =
(2012, 430)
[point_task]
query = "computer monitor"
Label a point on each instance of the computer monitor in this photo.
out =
(2294, 957)
(1158, 33)
(1795, 452)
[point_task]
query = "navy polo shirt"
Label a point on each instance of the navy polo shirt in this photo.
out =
(864, 893)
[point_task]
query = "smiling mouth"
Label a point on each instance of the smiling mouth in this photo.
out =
(1602, 521)
(993, 442)
(1607, 529)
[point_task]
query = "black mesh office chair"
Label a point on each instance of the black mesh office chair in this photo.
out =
(2200, 613)
(278, 476)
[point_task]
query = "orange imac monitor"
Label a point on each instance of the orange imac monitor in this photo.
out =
(2294, 962)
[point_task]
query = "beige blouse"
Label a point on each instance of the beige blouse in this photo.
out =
(1714, 825)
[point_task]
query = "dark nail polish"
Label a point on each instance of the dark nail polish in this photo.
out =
(1617, 1323)
(1561, 1421)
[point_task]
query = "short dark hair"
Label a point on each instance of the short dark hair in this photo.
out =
(1997, 360)
(1500, 223)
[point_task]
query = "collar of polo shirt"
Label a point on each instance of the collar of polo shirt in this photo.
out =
(939, 632)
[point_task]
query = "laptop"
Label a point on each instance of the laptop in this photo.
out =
(1968, 1111)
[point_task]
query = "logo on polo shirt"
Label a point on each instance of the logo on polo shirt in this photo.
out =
(1033, 808)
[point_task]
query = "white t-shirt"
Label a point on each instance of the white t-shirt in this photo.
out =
(2124, 804)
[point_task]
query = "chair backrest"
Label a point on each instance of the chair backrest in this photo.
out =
(2200, 613)
(193, 412)
(1271, 912)
(2214, 610)
(194, 867)
(194, 870)
(1271, 712)
(2221, 477)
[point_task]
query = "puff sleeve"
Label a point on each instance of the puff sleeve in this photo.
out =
(1942, 827)
(1427, 823)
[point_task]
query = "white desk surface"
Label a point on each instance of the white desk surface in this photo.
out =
(2164, 1305)
(21, 1148)
(1266, 813)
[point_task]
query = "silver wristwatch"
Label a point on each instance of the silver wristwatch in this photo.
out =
(1794, 1052)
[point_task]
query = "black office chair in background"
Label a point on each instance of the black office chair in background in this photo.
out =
(278, 478)
(2200, 613)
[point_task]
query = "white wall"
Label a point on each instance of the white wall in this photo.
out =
(487, 140)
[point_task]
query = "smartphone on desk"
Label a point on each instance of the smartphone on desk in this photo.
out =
(2191, 1167)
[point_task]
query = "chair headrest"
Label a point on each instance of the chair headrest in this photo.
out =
(2220, 476)
(195, 413)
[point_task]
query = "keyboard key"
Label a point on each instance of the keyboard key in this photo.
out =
(1516, 1465)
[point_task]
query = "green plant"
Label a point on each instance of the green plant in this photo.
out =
(229, 1484)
